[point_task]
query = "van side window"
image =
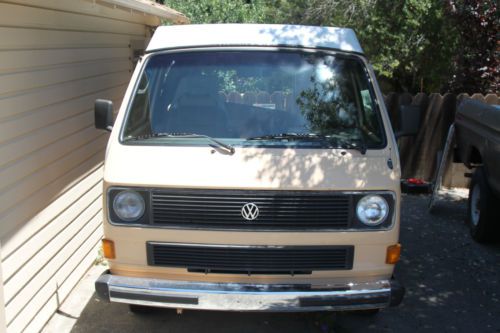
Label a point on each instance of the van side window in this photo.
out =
(138, 119)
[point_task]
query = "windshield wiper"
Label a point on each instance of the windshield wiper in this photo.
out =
(219, 144)
(290, 136)
(312, 136)
(359, 147)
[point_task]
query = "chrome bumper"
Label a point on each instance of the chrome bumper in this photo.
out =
(248, 297)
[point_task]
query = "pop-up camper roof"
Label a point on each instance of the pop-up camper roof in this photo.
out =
(182, 36)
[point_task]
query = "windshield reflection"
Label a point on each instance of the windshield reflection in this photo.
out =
(237, 95)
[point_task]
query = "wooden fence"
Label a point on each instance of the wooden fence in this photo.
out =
(419, 154)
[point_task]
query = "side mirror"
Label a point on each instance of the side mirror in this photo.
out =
(409, 120)
(103, 114)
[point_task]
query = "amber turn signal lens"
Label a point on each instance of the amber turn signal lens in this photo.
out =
(393, 253)
(108, 248)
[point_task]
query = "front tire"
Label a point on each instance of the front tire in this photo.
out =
(481, 205)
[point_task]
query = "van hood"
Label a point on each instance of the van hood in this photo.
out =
(250, 168)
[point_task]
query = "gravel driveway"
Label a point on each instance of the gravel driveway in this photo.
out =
(452, 285)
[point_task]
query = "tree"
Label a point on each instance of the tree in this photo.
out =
(409, 42)
(477, 62)
(414, 45)
(220, 11)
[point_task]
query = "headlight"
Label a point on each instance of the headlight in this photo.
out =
(128, 205)
(372, 210)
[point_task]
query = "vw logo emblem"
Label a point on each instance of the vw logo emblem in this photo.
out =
(250, 211)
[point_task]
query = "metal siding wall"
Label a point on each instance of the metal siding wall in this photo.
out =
(53, 65)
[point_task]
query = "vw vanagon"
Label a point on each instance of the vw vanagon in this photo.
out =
(251, 168)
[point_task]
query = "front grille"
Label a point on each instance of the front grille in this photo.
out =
(250, 260)
(221, 209)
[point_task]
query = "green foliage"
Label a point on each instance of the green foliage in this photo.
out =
(321, 107)
(477, 64)
(220, 11)
(231, 81)
(414, 45)
(409, 43)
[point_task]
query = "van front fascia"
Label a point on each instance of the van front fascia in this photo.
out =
(298, 218)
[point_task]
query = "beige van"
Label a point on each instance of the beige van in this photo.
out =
(251, 168)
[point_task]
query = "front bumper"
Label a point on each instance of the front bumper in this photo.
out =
(248, 297)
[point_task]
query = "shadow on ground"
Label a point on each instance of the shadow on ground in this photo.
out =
(452, 285)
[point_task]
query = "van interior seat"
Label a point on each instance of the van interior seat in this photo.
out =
(197, 108)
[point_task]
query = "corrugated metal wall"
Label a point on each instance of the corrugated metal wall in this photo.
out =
(56, 58)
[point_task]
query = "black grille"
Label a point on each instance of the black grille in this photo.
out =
(221, 209)
(251, 260)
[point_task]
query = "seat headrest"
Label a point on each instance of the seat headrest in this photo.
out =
(197, 85)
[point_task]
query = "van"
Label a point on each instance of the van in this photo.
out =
(251, 168)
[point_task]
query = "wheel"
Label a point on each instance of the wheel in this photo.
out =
(481, 205)
(140, 309)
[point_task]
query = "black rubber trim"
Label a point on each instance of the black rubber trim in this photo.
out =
(154, 298)
(341, 301)
(397, 292)
(101, 286)
(252, 47)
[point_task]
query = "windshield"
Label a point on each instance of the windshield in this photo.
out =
(256, 98)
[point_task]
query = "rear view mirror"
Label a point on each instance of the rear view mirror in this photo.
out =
(409, 120)
(103, 114)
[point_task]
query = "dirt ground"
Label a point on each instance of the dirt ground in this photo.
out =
(452, 285)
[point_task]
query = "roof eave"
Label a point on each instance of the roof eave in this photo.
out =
(151, 8)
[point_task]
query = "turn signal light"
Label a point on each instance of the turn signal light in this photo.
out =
(108, 248)
(393, 254)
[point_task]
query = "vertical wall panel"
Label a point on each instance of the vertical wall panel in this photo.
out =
(56, 58)
(2, 300)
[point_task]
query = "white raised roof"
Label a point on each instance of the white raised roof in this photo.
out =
(200, 35)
